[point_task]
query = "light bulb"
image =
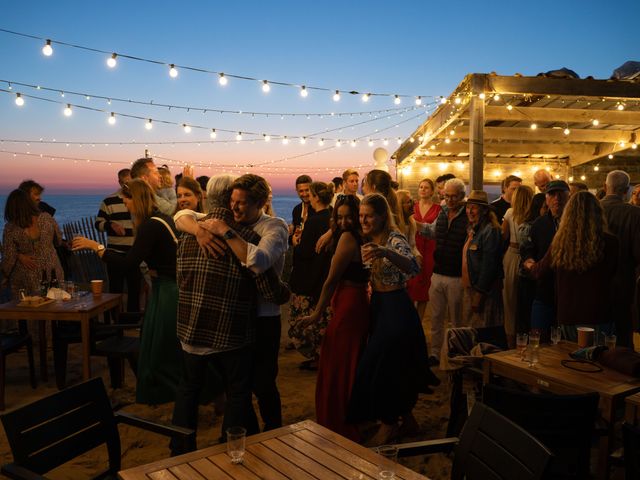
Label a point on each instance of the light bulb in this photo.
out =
(336, 96)
(112, 119)
(442, 166)
(353, 143)
(385, 142)
(509, 107)
(267, 138)
(566, 131)
(370, 143)
(19, 100)
(338, 143)
(447, 140)
(222, 80)
(610, 156)
(365, 97)
(111, 62)
(418, 100)
(47, 50)
(285, 140)
(148, 124)
(173, 71)
(634, 146)
(239, 136)
(67, 110)
(398, 140)
(496, 97)
(534, 126)
(482, 96)
(396, 100)
(622, 144)
(213, 133)
(321, 142)
(187, 128)
(583, 177)
(265, 86)
(443, 100)
(457, 100)
(620, 106)
(595, 122)
(452, 132)
(304, 92)
(596, 168)
(571, 178)
(303, 140)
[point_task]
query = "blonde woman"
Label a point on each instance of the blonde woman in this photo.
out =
(394, 365)
(584, 257)
(513, 218)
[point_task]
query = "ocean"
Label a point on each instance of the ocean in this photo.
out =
(74, 207)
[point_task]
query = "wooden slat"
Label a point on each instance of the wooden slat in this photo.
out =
(187, 471)
(281, 464)
(260, 468)
(569, 115)
(563, 86)
(237, 472)
(577, 135)
(161, 475)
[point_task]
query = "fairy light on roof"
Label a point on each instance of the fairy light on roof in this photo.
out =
(111, 61)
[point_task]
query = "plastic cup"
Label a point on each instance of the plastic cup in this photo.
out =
(534, 338)
(585, 336)
(96, 287)
(387, 464)
(521, 344)
(236, 437)
(556, 335)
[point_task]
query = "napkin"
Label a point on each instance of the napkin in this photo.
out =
(53, 291)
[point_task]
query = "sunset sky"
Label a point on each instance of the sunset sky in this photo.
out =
(407, 48)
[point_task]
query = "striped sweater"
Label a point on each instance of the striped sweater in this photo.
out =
(112, 209)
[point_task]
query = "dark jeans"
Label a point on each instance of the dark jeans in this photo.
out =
(133, 279)
(234, 366)
(265, 371)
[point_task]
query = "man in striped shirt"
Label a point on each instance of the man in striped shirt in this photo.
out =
(114, 219)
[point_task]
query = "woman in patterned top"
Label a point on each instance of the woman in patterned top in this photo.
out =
(393, 368)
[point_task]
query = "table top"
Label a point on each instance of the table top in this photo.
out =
(70, 310)
(549, 372)
(303, 450)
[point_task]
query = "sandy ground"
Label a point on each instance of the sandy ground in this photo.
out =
(297, 389)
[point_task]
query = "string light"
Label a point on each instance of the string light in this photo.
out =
(370, 143)
(173, 71)
(620, 106)
(239, 137)
(47, 50)
(571, 178)
(338, 143)
(418, 101)
(595, 122)
(303, 140)
(111, 61)
(304, 93)
(67, 111)
(566, 131)
(443, 100)
(496, 97)
(596, 168)
(634, 145)
(509, 107)
(336, 96)
(285, 140)
(265, 86)
(353, 143)
(19, 100)
(397, 100)
(399, 141)
(365, 97)
(321, 142)
(222, 80)
(267, 138)
(482, 96)
(610, 156)
(213, 133)
(186, 128)
(112, 119)
(148, 124)
(457, 100)
(583, 177)
(534, 126)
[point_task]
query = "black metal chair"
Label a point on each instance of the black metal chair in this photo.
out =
(54, 430)
(631, 439)
(11, 343)
(490, 447)
(564, 423)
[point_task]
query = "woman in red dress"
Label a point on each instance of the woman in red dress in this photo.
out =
(346, 334)
(425, 211)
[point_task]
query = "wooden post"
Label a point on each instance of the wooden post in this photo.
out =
(476, 133)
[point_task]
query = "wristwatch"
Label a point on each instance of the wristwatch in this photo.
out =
(228, 235)
(100, 248)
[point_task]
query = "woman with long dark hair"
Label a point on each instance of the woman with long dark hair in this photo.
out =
(346, 289)
(155, 244)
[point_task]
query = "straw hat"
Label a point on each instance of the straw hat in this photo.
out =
(479, 197)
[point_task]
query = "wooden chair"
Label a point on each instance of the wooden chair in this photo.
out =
(564, 423)
(12, 343)
(52, 431)
(490, 447)
(631, 439)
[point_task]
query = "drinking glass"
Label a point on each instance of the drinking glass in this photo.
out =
(610, 341)
(387, 465)
(556, 335)
(236, 437)
(70, 287)
(533, 354)
(534, 338)
(363, 250)
(521, 344)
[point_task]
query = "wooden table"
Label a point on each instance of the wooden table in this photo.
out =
(80, 310)
(302, 451)
(549, 375)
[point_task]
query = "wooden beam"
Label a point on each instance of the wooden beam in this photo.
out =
(507, 148)
(564, 86)
(561, 115)
(602, 151)
(476, 133)
(545, 135)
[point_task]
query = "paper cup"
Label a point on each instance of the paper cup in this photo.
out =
(96, 287)
(585, 336)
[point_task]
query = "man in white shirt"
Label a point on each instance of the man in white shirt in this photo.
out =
(249, 194)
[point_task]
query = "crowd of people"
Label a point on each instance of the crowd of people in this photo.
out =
(365, 265)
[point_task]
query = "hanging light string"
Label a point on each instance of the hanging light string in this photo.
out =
(109, 99)
(68, 111)
(174, 68)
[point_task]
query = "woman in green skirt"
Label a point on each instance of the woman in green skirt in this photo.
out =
(155, 244)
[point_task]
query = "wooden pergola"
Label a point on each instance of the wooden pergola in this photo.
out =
(493, 125)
